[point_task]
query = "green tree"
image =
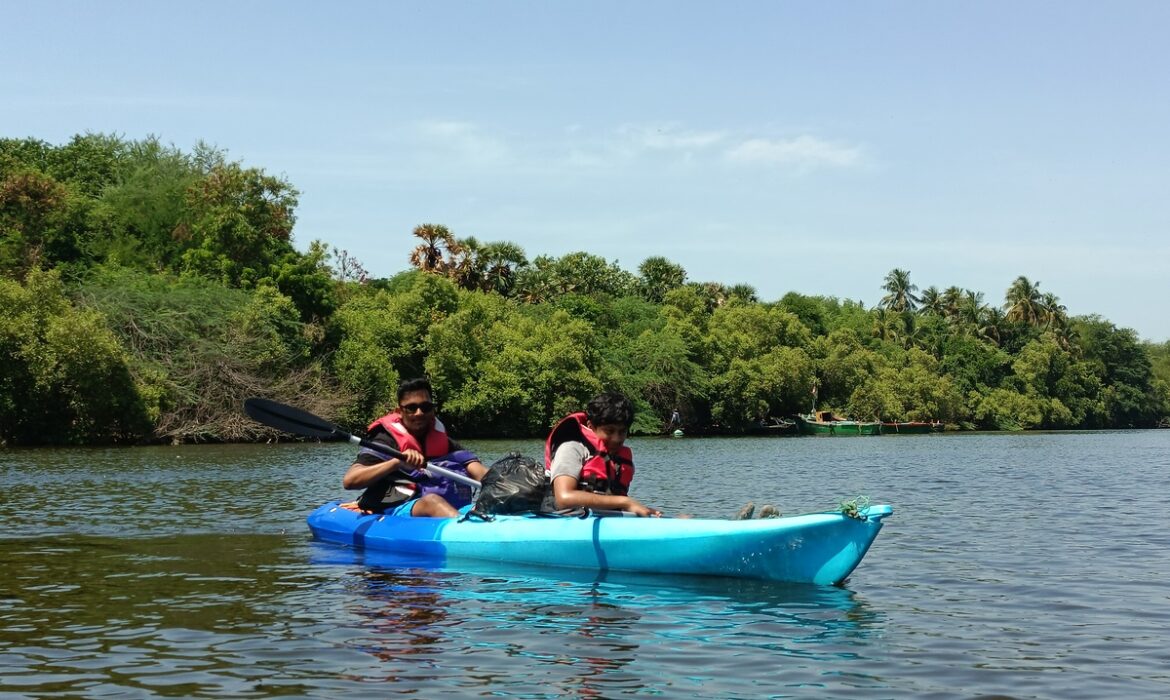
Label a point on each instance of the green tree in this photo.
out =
(842, 365)
(748, 331)
(382, 337)
(1123, 367)
(63, 375)
(1005, 409)
(142, 208)
(506, 373)
(40, 223)
(238, 223)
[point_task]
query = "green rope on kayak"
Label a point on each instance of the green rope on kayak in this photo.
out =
(853, 507)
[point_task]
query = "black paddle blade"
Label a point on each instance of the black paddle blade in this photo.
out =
(291, 420)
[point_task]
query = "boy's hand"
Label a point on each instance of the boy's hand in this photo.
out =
(642, 511)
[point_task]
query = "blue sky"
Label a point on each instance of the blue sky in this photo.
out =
(802, 146)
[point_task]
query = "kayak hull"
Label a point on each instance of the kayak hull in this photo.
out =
(821, 548)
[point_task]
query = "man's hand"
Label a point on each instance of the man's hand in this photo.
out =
(414, 458)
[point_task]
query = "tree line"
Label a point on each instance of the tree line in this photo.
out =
(146, 291)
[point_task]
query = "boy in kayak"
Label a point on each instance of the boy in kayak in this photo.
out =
(393, 486)
(589, 464)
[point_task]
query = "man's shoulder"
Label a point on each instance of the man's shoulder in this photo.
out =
(382, 436)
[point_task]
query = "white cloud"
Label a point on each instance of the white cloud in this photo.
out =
(465, 140)
(803, 151)
(669, 137)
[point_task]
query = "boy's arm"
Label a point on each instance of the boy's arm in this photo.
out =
(569, 496)
(566, 468)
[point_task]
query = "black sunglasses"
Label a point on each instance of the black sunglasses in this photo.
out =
(424, 407)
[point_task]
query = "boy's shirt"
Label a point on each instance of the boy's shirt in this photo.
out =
(568, 460)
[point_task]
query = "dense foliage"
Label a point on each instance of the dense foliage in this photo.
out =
(145, 292)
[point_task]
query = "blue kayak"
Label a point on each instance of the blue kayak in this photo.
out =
(818, 548)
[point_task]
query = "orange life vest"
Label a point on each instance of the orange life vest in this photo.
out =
(437, 443)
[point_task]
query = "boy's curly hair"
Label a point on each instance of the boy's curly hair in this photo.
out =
(610, 408)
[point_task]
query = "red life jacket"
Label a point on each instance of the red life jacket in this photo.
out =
(602, 472)
(437, 443)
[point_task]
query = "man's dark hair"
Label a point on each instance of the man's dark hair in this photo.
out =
(407, 386)
(610, 408)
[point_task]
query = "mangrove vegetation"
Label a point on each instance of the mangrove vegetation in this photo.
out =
(146, 291)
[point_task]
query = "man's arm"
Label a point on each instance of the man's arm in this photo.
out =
(475, 468)
(369, 468)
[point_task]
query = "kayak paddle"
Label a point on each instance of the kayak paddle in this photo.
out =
(298, 422)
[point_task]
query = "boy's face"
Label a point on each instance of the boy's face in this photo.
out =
(613, 435)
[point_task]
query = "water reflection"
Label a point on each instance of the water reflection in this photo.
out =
(545, 632)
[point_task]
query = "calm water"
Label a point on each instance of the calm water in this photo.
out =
(1014, 565)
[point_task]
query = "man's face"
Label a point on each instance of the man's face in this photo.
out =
(417, 411)
(613, 435)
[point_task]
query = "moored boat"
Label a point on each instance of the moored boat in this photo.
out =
(821, 548)
(825, 423)
(911, 427)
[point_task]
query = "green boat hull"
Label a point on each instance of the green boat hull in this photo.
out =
(838, 427)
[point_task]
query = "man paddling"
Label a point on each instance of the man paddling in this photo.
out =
(398, 486)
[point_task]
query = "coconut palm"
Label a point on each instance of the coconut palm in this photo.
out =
(932, 302)
(1055, 313)
(1024, 302)
(990, 321)
(900, 296)
(887, 325)
(952, 298)
(1068, 339)
(911, 332)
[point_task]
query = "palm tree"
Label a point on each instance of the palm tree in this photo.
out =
(1056, 314)
(1068, 339)
(911, 331)
(990, 321)
(743, 292)
(952, 298)
(932, 302)
(657, 276)
(887, 325)
(971, 313)
(1024, 302)
(501, 261)
(900, 295)
(462, 264)
(428, 255)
